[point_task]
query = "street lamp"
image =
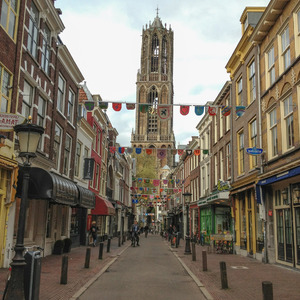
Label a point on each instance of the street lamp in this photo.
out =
(187, 199)
(29, 136)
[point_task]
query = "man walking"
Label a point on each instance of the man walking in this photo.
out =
(135, 230)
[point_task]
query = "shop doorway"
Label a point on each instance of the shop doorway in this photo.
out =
(284, 235)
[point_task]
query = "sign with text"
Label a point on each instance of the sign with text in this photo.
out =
(254, 151)
(88, 169)
(8, 121)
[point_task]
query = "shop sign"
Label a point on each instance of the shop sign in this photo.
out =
(202, 202)
(88, 168)
(223, 195)
(221, 237)
(8, 121)
(254, 151)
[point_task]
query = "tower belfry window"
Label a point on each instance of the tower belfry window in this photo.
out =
(164, 56)
(155, 54)
(152, 116)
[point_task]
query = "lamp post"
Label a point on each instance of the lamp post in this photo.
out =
(29, 136)
(187, 199)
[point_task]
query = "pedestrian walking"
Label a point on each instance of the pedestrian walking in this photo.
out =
(93, 233)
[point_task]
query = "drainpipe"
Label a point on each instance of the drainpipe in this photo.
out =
(265, 257)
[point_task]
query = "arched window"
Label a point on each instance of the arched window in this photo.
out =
(164, 69)
(155, 54)
(152, 116)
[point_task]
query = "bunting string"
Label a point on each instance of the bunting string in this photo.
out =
(164, 111)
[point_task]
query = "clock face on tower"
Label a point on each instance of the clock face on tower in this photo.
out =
(154, 116)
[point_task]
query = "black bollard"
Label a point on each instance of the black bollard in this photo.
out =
(64, 270)
(223, 275)
(204, 260)
(108, 245)
(87, 258)
(119, 241)
(193, 251)
(267, 289)
(101, 244)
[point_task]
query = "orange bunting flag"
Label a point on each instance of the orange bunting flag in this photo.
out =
(149, 151)
(197, 152)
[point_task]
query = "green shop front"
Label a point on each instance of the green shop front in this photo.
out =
(216, 220)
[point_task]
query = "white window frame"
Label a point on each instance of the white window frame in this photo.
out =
(287, 114)
(57, 146)
(251, 82)
(61, 93)
(272, 128)
(71, 103)
(28, 96)
(45, 49)
(77, 162)
(239, 91)
(270, 66)
(253, 141)
(67, 154)
(241, 152)
(41, 118)
(285, 54)
(33, 30)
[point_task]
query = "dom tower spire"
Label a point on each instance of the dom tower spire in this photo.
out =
(154, 87)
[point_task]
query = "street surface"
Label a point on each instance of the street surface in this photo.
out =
(150, 271)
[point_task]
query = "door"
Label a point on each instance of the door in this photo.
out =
(284, 235)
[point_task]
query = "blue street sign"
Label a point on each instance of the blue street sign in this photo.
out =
(254, 151)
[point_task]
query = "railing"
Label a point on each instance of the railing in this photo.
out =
(152, 137)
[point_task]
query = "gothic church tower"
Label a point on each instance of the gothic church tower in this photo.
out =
(154, 87)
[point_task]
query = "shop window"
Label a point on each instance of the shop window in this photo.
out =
(243, 224)
(49, 218)
(74, 222)
(259, 230)
(64, 220)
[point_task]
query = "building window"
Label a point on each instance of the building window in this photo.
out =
(289, 121)
(45, 51)
(253, 143)
(251, 82)
(221, 165)
(28, 94)
(216, 169)
(32, 39)
(96, 178)
(5, 89)
(57, 145)
(61, 94)
(241, 153)
(221, 120)
(227, 118)
(273, 132)
(41, 114)
(215, 129)
(95, 138)
(67, 154)
(285, 49)
(82, 113)
(155, 54)
(9, 15)
(164, 69)
(228, 161)
(271, 67)
(239, 99)
(85, 155)
(71, 100)
(77, 158)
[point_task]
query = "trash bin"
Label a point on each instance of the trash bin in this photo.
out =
(32, 275)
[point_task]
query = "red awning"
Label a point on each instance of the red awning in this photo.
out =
(103, 207)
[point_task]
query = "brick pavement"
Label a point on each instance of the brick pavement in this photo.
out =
(78, 275)
(245, 275)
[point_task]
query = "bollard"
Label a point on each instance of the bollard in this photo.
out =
(119, 241)
(101, 244)
(204, 260)
(64, 270)
(193, 251)
(267, 289)
(176, 245)
(87, 258)
(108, 245)
(223, 275)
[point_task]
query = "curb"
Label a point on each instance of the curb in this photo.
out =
(200, 285)
(92, 280)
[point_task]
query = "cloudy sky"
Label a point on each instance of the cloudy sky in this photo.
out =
(104, 38)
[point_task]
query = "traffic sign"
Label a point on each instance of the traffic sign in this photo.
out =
(254, 151)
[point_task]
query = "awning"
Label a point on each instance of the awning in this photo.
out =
(86, 198)
(275, 178)
(49, 186)
(103, 207)
(221, 198)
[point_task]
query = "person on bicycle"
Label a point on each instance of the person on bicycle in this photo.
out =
(135, 230)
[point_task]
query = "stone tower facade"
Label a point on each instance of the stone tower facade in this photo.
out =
(154, 87)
